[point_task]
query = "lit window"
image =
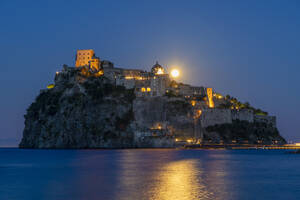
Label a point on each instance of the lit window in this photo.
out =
(143, 89)
(148, 89)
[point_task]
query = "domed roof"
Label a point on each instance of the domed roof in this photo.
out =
(157, 69)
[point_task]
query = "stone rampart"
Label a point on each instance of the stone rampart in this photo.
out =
(243, 115)
(170, 116)
(210, 117)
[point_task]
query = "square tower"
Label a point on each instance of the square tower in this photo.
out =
(83, 57)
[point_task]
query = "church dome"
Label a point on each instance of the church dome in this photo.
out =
(157, 69)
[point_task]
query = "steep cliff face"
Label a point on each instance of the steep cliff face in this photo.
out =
(90, 113)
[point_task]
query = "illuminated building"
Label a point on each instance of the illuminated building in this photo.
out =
(87, 58)
(157, 69)
(210, 97)
(145, 84)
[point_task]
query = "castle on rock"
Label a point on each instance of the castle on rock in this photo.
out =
(156, 82)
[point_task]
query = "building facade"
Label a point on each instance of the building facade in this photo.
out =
(87, 58)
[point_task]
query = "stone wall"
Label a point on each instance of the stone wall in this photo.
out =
(172, 116)
(127, 83)
(245, 115)
(210, 117)
(215, 116)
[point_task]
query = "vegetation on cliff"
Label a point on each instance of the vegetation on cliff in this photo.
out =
(89, 114)
(244, 132)
(232, 102)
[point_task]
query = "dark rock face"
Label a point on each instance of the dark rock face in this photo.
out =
(90, 113)
(244, 132)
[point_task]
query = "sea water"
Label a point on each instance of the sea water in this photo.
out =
(149, 174)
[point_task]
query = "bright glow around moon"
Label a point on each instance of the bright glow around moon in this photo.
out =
(174, 73)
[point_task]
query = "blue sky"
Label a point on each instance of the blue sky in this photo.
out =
(248, 49)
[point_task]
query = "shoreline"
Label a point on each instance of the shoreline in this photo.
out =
(190, 146)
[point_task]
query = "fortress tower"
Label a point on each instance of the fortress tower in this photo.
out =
(87, 57)
(209, 92)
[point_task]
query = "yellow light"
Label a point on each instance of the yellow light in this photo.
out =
(160, 71)
(134, 77)
(50, 86)
(174, 73)
(143, 89)
(210, 98)
(219, 96)
(197, 114)
(193, 103)
(99, 73)
(129, 77)
(148, 89)
(189, 140)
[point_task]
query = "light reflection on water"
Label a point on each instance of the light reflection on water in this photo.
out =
(155, 174)
(169, 178)
(180, 180)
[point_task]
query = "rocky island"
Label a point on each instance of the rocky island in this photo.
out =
(96, 105)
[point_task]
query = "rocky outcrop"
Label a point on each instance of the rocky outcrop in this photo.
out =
(94, 112)
(80, 112)
(243, 132)
(91, 112)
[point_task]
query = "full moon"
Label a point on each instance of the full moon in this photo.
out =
(174, 73)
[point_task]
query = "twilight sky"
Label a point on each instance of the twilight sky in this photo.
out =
(248, 49)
